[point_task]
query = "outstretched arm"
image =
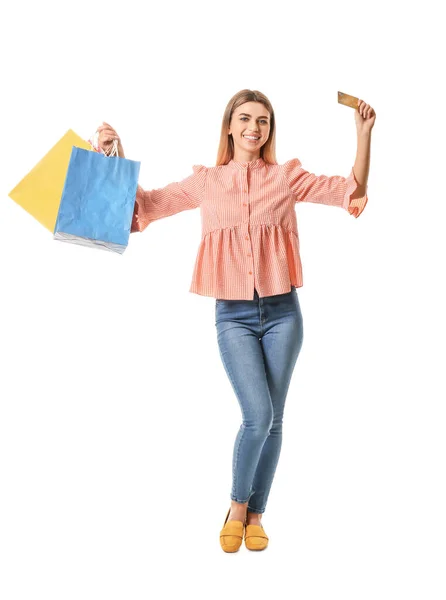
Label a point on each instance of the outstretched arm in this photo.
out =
(151, 205)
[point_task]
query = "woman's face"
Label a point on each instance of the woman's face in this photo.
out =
(249, 119)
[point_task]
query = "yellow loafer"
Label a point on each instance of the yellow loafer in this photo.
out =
(255, 537)
(231, 535)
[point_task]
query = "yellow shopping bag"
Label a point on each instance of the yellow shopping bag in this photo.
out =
(40, 192)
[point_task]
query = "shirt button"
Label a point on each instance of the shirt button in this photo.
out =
(244, 204)
(250, 272)
(246, 237)
(248, 255)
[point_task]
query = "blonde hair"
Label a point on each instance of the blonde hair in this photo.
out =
(226, 147)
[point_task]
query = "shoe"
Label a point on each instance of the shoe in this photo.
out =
(231, 535)
(255, 537)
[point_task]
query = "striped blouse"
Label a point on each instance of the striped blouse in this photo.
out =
(249, 229)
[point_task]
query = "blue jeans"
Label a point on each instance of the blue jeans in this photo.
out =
(259, 342)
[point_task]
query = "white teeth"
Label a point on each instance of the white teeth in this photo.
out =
(251, 137)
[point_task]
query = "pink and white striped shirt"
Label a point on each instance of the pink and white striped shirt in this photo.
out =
(249, 228)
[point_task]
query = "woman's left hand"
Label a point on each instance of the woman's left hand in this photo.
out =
(365, 117)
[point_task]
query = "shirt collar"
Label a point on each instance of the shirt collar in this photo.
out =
(252, 164)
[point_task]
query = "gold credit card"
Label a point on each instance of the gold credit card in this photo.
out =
(347, 100)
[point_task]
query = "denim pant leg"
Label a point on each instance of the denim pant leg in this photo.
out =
(255, 367)
(281, 343)
(242, 357)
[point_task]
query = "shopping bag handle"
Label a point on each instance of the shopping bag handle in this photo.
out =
(94, 143)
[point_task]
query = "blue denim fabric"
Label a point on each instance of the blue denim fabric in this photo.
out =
(259, 342)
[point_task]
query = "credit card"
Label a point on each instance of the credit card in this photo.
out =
(347, 100)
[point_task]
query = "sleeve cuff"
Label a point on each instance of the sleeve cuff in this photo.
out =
(138, 222)
(354, 206)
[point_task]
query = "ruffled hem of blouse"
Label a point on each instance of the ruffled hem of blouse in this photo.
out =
(355, 206)
(221, 248)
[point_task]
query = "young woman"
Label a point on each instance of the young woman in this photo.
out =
(249, 260)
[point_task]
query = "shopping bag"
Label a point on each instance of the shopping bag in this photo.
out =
(98, 200)
(40, 191)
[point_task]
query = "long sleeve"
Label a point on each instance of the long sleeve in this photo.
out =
(151, 205)
(334, 191)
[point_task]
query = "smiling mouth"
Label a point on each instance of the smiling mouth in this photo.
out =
(253, 139)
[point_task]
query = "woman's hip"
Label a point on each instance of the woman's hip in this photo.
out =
(259, 314)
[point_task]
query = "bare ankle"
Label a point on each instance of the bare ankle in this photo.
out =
(238, 510)
(253, 516)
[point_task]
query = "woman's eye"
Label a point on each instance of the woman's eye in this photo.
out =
(263, 120)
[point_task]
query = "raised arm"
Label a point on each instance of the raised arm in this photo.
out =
(349, 192)
(151, 205)
(322, 189)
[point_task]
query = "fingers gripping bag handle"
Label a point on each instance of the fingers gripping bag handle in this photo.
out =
(94, 142)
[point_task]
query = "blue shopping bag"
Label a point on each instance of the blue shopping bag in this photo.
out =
(98, 200)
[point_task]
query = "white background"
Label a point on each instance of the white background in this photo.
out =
(117, 418)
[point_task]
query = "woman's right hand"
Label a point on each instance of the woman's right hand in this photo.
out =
(105, 140)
